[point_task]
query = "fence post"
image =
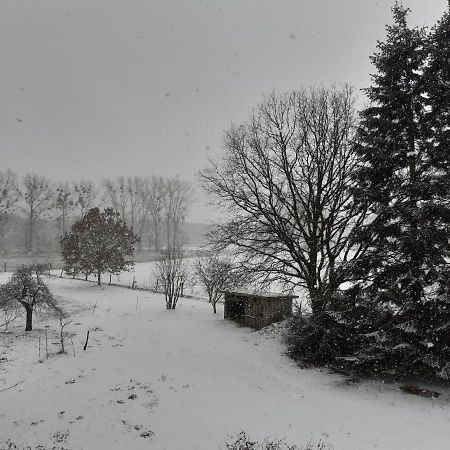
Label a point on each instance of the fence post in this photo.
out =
(4, 265)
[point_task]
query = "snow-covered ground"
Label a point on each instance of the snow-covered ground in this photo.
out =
(141, 274)
(187, 379)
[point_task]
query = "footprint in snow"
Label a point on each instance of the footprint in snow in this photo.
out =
(60, 436)
(143, 434)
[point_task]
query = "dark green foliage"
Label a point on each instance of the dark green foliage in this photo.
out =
(404, 181)
(392, 177)
(395, 320)
(97, 243)
(436, 80)
(336, 333)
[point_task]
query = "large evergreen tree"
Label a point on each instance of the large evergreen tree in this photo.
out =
(405, 271)
(437, 122)
(99, 242)
(437, 82)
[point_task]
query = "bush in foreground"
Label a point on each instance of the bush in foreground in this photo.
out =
(243, 442)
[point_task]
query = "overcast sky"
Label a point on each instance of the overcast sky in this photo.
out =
(99, 88)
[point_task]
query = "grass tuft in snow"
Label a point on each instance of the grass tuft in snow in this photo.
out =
(243, 442)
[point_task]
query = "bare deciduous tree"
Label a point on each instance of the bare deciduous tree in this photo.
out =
(63, 322)
(139, 204)
(217, 275)
(38, 195)
(178, 196)
(117, 195)
(27, 289)
(156, 203)
(64, 204)
(84, 196)
(9, 195)
(171, 273)
(9, 312)
(285, 181)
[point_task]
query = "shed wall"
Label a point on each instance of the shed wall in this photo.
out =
(257, 312)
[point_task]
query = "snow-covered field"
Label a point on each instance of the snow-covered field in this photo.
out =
(141, 274)
(187, 379)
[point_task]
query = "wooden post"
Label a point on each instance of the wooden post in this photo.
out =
(86, 343)
(4, 266)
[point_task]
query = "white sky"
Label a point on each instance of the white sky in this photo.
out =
(98, 88)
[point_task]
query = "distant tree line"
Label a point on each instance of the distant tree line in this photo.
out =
(355, 208)
(35, 212)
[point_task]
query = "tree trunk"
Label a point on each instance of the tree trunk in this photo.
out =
(30, 235)
(317, 300)
(63, 222)
(99, 277)
(29, 322)
(214, 308)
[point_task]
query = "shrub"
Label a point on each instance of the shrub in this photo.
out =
(323, 336)
(243, 442)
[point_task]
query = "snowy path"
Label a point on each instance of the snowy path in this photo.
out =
(186, 379)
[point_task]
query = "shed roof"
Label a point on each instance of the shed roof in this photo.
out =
(262, 295)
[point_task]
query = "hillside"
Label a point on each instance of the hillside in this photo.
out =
(186, 379)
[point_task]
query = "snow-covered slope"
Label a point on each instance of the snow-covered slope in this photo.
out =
(186, 379)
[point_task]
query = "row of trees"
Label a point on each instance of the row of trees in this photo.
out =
(155, 206)
(354, 208)
(101, 242)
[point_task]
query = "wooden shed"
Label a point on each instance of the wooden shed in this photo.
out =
(257, 310)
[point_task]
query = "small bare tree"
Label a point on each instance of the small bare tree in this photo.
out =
(217, 275)
(9, 312)
(63, 322)
(27, 289)
(38, 196)
(171, 273)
